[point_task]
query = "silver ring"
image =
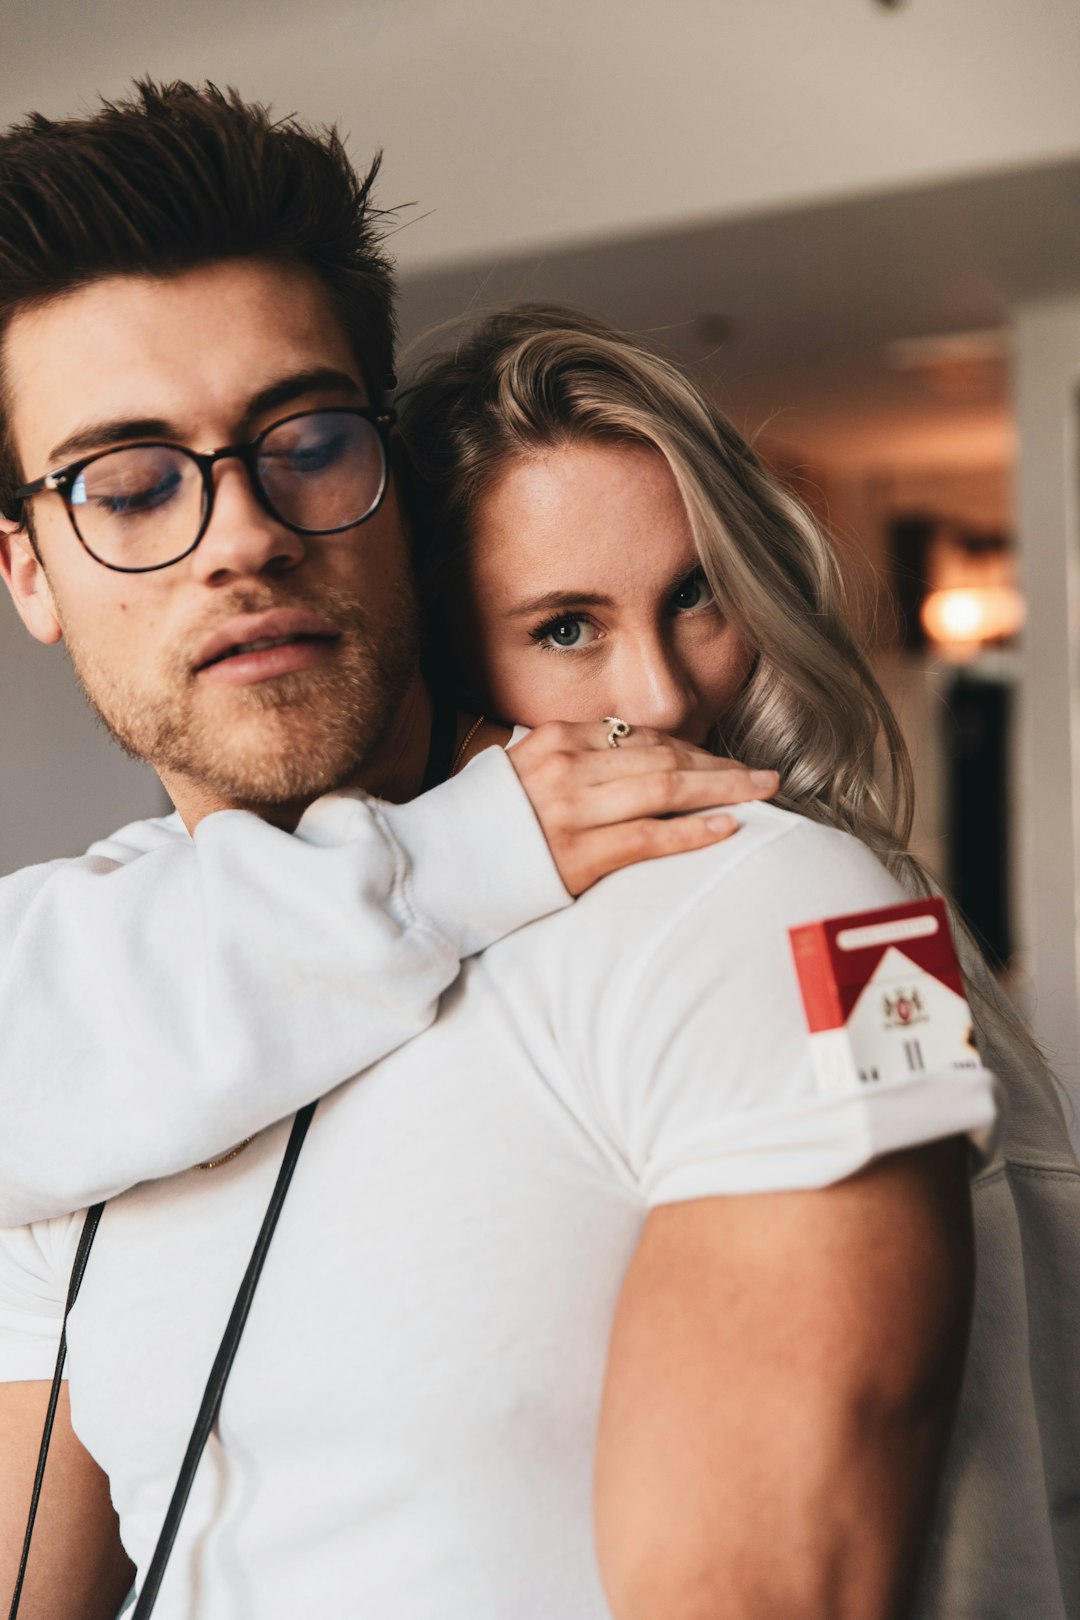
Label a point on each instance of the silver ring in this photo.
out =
(617, 730)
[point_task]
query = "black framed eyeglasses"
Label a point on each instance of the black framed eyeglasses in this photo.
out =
(145, 506)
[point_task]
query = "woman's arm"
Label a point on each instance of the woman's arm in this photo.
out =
(158, 1007)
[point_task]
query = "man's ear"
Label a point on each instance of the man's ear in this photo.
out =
(24, 575)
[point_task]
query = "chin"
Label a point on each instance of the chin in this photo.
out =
(281, 768)
(276, 743)
(287, 740)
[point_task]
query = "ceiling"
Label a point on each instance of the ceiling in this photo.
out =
(669, 164)
(789, 316)
(517, 126)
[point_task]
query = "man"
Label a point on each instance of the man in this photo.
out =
(517, 1258)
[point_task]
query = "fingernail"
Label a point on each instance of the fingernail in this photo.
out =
(721, 824)
(765, 779)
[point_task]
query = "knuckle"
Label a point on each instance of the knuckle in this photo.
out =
(553, 814)
(688, 832)
(550, 736)
(555, 768)
(678, 836)
(665, 793)
(675, 791)
(572, 821)
(643, 840)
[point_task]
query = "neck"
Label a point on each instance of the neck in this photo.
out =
(393, 770)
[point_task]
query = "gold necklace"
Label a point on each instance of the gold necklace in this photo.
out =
(469, 735)
(226, 1158)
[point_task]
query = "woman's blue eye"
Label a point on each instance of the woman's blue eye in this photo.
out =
(566, 634)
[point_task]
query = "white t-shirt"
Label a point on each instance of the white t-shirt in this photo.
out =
(409, 1427)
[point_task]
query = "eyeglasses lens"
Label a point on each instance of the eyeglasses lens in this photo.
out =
(321, 471)
(143, 507)
(138, 508)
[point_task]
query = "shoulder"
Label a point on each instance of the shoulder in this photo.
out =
(777, 871)
(670, 999)
(18, 890)
(118, 849)
(693, 935)
(139, 838)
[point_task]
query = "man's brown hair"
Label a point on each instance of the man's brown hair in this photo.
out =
(177, 176)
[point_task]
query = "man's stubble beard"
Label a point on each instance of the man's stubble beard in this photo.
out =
(322, 724)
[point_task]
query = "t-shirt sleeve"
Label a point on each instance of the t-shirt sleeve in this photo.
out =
(34, 1262)
(702, 1056)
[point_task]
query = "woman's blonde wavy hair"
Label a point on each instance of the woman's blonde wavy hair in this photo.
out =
(530, 378)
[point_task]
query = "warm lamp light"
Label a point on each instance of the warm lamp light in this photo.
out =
(967, 615)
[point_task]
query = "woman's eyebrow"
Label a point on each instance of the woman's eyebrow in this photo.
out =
(565, 601)
(556, 601)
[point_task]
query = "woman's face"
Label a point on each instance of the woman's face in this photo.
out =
(583, 597)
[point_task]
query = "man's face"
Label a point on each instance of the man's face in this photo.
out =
(207, 359)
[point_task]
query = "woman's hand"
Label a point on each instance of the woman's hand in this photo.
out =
(602, 808)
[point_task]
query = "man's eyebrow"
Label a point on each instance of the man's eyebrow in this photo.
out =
(103, 435)
(289, 390)
(559, 601)
(284, 391)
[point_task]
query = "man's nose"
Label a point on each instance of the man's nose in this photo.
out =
(652, 688)
(242, 538)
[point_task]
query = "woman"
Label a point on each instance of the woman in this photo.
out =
(594, 538)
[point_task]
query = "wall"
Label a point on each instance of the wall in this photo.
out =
(1048, 491)
(62, 782)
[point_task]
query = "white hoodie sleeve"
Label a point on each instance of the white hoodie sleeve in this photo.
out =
(163, 997)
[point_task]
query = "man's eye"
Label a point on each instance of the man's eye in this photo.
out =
(130, 502)
(567, 634)
(693, 593)
(307, 458)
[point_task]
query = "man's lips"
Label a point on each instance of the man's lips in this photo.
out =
(251, 632)
(258, 646)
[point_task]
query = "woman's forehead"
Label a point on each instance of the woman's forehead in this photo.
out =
(600, 517)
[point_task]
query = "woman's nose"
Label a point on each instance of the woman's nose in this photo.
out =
(652, 688)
